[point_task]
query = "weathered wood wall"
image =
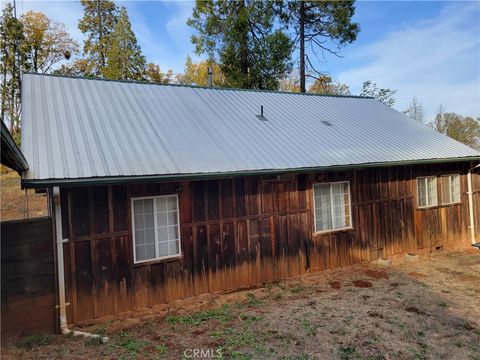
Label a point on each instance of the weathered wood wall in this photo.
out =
(243, 231)
(28, 276)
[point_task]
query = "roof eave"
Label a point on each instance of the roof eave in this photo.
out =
(43, 183)
(12, 156)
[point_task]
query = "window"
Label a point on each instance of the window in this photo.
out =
(427, 191)
(156, 232)
(332, 206)
(450, 186)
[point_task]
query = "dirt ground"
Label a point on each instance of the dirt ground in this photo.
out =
(423, 309)
(14, 204)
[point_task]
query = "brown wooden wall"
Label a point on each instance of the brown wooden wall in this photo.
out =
(243, 231)
(28, 277)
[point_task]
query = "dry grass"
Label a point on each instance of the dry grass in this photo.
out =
(14, 204)
(423, 310)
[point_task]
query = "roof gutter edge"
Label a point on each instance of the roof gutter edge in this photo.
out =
(198, 176)
(17, 155)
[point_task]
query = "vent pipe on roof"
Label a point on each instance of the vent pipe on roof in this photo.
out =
(210, 76)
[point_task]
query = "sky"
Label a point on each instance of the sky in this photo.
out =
(426, 49)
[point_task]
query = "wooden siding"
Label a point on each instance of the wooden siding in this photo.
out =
(28, 277)
(239, 232)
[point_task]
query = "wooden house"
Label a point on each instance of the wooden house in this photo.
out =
(161, 192)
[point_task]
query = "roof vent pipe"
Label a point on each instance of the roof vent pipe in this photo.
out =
(261, 110)
(210, 76)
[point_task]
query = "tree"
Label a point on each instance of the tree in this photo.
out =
(460, 128)
(13, 57)
(244, 38)
(415, 110)
(385, 96)
(324, 26)
(124, 56)
(291, 83)
(324, 84)
(155, 75)
(47, 42)
(97, 23)
(197, 73)
(79, 67)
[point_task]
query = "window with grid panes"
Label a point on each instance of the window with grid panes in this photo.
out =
(427, 191)
(332, 206)
(156, 231)
(450, 189)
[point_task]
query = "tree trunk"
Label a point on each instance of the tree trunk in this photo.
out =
(302, 47)
(35, 60)
(103, 61)
(244, 52)
(4, 89)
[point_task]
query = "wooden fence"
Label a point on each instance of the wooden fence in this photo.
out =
(28, 276)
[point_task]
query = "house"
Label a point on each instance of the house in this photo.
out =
(161, 192)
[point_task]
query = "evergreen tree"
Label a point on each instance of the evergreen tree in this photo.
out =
(13, 62)
(243, 37)
(325, 26)
(154, 74)
(98, 22)
(385, 96)
(124, 56)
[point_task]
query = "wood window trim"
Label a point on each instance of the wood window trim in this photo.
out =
(174, 257)
(335, 230)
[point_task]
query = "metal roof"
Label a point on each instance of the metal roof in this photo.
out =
(10, 154)
(79, 128)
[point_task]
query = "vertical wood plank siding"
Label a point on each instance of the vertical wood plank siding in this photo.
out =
(242, 231)
(27, 277)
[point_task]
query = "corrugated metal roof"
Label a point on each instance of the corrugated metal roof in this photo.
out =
(76, 128)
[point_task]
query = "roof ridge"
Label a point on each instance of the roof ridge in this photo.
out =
(199, 87)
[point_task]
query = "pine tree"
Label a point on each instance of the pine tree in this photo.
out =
(124, 56)
(384, 95)
(13, 62)
(244, 38)
(325, 26)
(154, 74)
(98, 22)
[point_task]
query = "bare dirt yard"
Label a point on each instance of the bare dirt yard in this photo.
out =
(14, 204)
(427, 309)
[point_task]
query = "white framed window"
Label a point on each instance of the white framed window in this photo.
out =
(427, 191)
(332, 208)
(156, 230)
(450, 189)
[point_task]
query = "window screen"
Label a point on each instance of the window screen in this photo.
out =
(332, 206)
(155, 227)
(427, 191)
(450, 185)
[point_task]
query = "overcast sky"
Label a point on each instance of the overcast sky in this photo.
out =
(427, 49)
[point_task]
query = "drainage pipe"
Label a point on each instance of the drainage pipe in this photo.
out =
(470, 204)
(61, 272)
